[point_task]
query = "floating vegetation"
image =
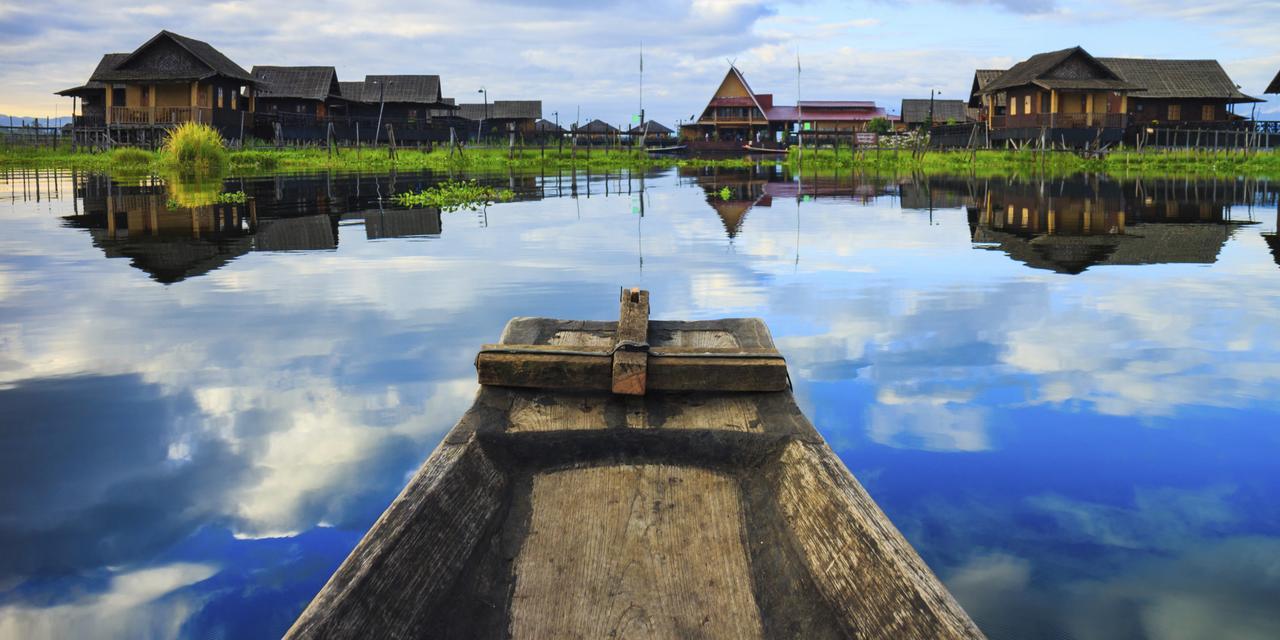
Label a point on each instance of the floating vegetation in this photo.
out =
(725, 194)
(451, 195)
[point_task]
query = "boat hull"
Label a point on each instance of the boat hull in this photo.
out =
(563, 514)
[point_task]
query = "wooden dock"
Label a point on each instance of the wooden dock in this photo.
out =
(634, 479)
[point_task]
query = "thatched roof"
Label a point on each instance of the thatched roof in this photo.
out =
(1068, 69)
(308, 83)
(652, 127)
(916, 110)
(1177, 78)
(597, 126)
(203, 61)
(410, 223)
(306, 233)
(418, 89)
(1159, 243)
(501, 109)
(1274, 87)
(352, 90)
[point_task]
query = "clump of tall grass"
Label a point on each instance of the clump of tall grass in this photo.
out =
(130, 156)
(194, 148)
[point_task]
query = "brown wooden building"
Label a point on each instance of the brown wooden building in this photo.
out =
(501, 116)
(1070, 96)
(307, 91)
(1177, 92)
(168, 80)
(407, 98)
(920, 112)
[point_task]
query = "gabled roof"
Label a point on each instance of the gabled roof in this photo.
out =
(916, 110)
(597, 126)
(420, 89)
(1274, 87)
(738, 101)
(309, 83)
(213, 60)
(1177, 78)
(982, 78)
(547, 126)
(501, 109)
(836, 104)
(651, 127)
(107, 63)
(1039, 70)
(352, 90)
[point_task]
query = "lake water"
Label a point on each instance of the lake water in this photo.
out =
(1065, 393)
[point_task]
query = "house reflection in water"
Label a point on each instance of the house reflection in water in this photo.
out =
(171, 243)
(1068, 226)
(734, 192)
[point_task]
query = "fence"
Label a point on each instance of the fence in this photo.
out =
(30, 136)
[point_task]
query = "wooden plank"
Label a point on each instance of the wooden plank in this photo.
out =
(557, 412)
(634, 551)
(719, 412)
(629, 367)
(407, 561)
(859, 561)
(588, 373)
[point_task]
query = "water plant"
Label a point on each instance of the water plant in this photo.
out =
(725, 194)
(454, 194)
(194, 148)
(131, 156)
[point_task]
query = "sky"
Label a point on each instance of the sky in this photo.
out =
(581, 57)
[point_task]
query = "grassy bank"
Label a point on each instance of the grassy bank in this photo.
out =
(1001, 162)
(996, 162)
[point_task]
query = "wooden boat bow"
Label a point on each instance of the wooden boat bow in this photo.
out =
(638, 478)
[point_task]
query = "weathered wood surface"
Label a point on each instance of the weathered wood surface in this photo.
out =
(661, 557)
(671, 515)
(629, 367)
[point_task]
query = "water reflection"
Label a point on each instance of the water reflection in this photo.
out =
(1068, 226)
(1084, 456)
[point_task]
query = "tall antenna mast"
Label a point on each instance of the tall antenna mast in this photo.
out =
(799, 108)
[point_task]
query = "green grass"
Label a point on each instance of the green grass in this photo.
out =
(452, 195)
(195, 149)
(1008, 162)
(988, 163)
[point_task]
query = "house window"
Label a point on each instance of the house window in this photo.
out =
(1207, 112)
(1013, 106)
(1045, 106)
(413, 113)
(234, 103)
(1026, 104)
(300, 108)
(1175, 112)
(146, 96)
(219, 97)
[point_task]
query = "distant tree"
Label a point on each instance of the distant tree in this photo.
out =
(879, 125)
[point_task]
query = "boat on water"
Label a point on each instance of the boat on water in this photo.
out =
(634, 479)
(751, 149)
(678, 148)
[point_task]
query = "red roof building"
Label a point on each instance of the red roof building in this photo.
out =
(736, 113)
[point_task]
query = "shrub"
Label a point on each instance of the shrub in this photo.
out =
(130, 156)
(453, 195)
(879, 125)
(194, 148)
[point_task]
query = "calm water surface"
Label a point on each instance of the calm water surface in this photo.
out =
(1065, 393)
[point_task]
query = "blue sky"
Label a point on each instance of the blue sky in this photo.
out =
(580, 57)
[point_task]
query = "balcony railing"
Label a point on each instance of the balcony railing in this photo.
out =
(159, 115)
(1061, 121)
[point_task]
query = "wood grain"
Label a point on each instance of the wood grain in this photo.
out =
(857, 558)
(557, 412)
(634, 551)
(722, 412)
(629, 367)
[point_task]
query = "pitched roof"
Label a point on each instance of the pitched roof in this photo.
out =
(1274, 87)
(420, 89)
(650, 127)
(547, 126)
(352, 90)
(597, 126)
(108, 62)
(1038, 70)
(740, 101)
(310, 83)
(500, 109)
(982, 78)
(204, 53)
(823, 114)
(1177, 78)
(916, 110)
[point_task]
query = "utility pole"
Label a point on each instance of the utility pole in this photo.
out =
(382, 93)
(485, 116)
